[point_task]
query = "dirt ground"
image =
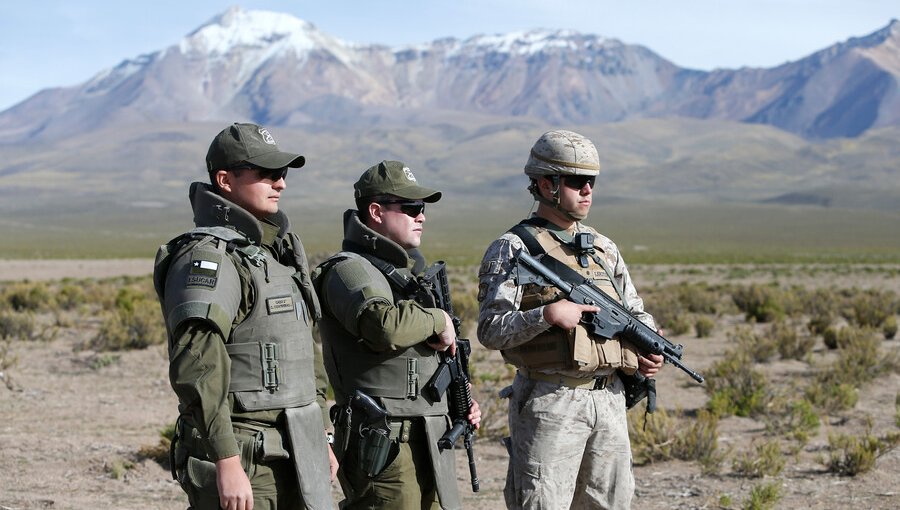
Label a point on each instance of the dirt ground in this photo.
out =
(68, 426)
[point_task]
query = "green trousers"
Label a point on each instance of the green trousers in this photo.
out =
(274, 483)
(406, 483)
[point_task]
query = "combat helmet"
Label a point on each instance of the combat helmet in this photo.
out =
(561, 152)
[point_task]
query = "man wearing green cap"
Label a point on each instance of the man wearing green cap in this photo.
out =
(382, 335)
(239, 307)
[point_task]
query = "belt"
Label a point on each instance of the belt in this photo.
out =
(581, 383)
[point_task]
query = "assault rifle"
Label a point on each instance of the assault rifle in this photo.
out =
(452, 377)
(612, 320)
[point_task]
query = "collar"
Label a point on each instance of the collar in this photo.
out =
(359, 238)
(214, 210)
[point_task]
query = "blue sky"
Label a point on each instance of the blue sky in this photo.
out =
(50, 43)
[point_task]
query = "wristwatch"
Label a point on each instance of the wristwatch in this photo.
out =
(329, 438)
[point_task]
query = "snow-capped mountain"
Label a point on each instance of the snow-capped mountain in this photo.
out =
(276, 69)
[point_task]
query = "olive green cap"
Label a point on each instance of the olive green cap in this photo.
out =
(248, 143)
(392, 178)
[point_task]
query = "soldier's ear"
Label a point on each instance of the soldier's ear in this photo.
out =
(375, 213)
(224, 180)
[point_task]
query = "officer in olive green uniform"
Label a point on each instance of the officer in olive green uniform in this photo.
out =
(382, 336)
(239, 307)
(568, 432)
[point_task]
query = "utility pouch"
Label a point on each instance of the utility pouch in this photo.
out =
(374, 449)
(272, 446)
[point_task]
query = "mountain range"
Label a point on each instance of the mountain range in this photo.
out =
(278, 70)
(105, 166)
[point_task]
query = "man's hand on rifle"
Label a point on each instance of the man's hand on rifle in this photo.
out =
(474, 416)
(566, 314)
(650, 364)
(445, 340)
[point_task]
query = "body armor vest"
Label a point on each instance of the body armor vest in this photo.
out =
(271, 350)
(397, 377)
(573, 352)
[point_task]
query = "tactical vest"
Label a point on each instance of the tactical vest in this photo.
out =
(271, 349)
(397, 377)
(571, 352)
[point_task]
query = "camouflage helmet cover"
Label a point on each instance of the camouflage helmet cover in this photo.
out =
(561, 152)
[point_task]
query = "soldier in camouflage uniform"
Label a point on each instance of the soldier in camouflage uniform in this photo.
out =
(239, 307)
(383, 335)
(568, 441)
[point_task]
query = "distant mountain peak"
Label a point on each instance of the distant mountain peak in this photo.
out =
(528, 42)
(237, 28)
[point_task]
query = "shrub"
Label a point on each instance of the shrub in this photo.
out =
(798, 421)
(760, 303)
(822, 306)
(889, 327)
(860, 359)
(832, 396)
(704, 326)
(790, 344)
(765, 460)
(28, 296)
(763, 496)
(666, 436)
(735, 388)
(852, 455)
(760, 348)
(17, 325)
(70, 296)
(830, 337)
(135, 326)
(870, 308)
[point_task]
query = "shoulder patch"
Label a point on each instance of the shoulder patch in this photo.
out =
(204, 272)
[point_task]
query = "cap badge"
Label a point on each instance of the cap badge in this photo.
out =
(409, 174)
(264, 133)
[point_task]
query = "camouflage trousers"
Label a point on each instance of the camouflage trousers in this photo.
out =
(569, 447)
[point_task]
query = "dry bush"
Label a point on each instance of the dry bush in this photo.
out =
(27, 296)
(765, 459)
(762, 303)
(19, 325)
(853, 455)
(704, 326)
(663, 436)
(764, 496)
(790, 344)
(760, 348)
(134, 323)
(889, 327)
(796, 420)
(736, 388)
(832, 396)
(822, 306)
(869, 308)
(673, 306)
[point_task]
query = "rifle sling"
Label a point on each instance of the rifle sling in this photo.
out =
(568, 274)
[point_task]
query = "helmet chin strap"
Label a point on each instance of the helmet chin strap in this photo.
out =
(535, 192)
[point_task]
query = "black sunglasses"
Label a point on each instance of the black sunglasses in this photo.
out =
(578, 181)
(411, 208)
(272, 174)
